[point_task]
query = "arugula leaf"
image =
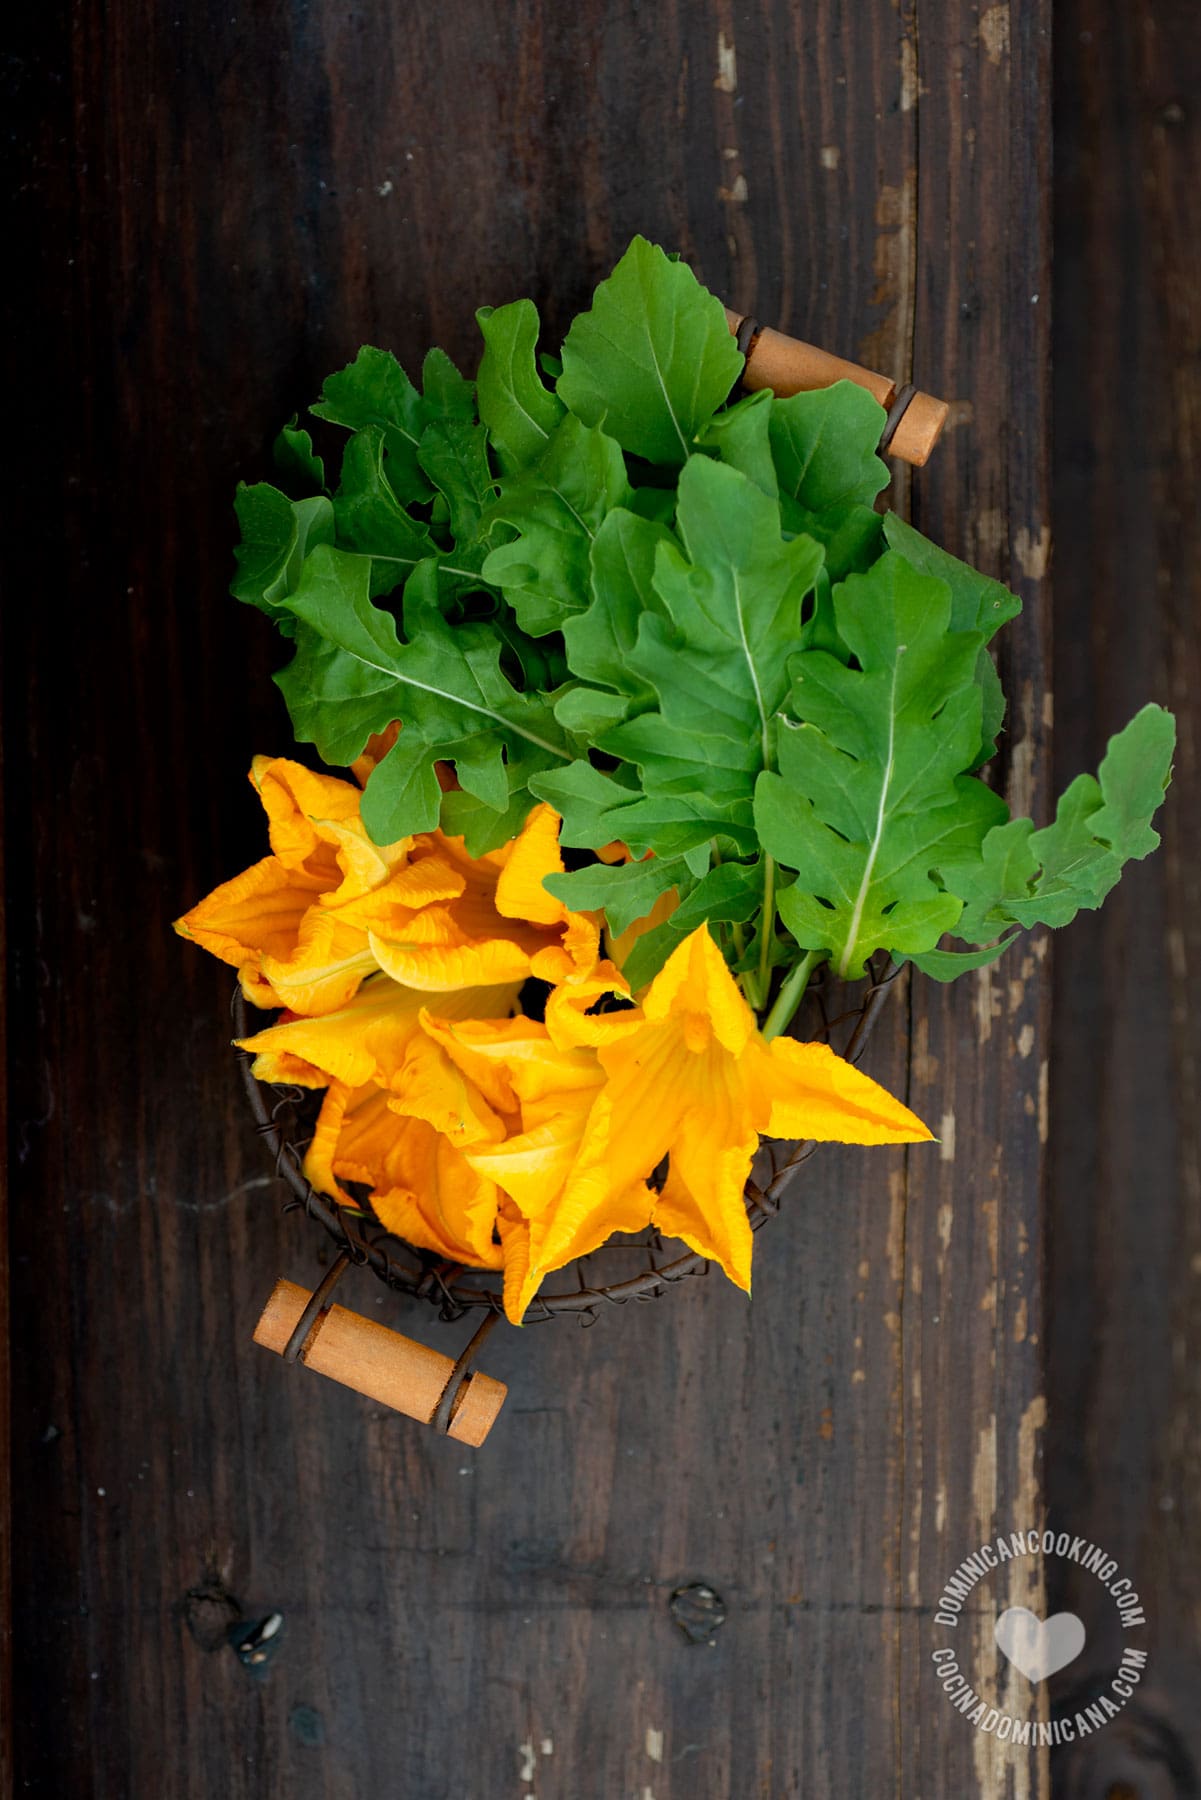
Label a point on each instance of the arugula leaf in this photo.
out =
(978, 603)
(652, 359)
(556, 508)
(454, 454)
(717, 661)
(1028, 877)
(295, 458)
(371, 519)
(445, 392)
(741, 436)
(621, 578)
(352, 675)
(824, 446)
(870, 797)
(625, 892)
(277, 534)
(589, 802)
(948, 965)
(374, 390)
(517, 409)
(729, 891)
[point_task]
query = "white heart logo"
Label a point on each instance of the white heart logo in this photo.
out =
(1036, 1646)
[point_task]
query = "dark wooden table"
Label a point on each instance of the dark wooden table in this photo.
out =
(213, 209)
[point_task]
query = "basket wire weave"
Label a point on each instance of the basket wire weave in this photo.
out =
(455, 1290)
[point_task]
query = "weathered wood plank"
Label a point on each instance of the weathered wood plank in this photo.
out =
(244, 205)
(1125, 1339)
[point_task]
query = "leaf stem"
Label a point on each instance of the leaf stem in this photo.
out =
(767, 926)
(790, 995)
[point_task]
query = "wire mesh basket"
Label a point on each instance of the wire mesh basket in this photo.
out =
(622, 1271)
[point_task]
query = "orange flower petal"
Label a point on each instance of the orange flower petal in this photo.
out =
(258, 912)
(315, 825)
(817, 1094)
(422, 1189)
(325, 966)
(529, 1257)
(535, 854)
(369, 1037)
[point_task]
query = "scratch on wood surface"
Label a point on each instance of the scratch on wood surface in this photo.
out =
(1044, 1108)
(1020, 786)
(726, 79)
(988, 534)
(889, 346)
(909, 83)
(946, 1136)
(925, 1066)
(994, 33)
(895, 1247)
(989, 1213)
(654, 1744)
(1025, 1040)
(987, 1004)
(1033, 553)
(831, 156)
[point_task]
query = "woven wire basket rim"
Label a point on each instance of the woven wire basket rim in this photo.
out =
(424, 1276)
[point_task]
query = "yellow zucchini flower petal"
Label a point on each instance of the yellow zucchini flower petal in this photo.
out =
(422, 1189)
(258, 913)
(314, 824)
(525, 1262)
(697, 1082)
(520, 894)
(369, 1037)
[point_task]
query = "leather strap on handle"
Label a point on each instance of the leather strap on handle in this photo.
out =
(786, 365)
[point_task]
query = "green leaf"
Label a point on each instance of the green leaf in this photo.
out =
(556, 508)
(296, 460)
(277, 534)
(517, 409)
(454, 454)
(652, 359)
(374, 390)
(371, 519)
(446, 393)
(1133, 779)
(824, 446)
(718, 661)
(948, 965)
(741, 436)
(352, 675)
(1028, 877)
(625, 892)
(621, 577)
(871, 797)
(978, 603)
(729, 891)
(589, 802)
(852, 536)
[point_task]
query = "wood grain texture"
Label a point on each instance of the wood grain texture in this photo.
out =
(218, 212)
(1125, 1338)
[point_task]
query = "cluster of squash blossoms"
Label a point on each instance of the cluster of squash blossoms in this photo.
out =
(472, 1130)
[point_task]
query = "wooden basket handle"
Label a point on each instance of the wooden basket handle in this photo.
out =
(395, 1371)
(786, 365)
